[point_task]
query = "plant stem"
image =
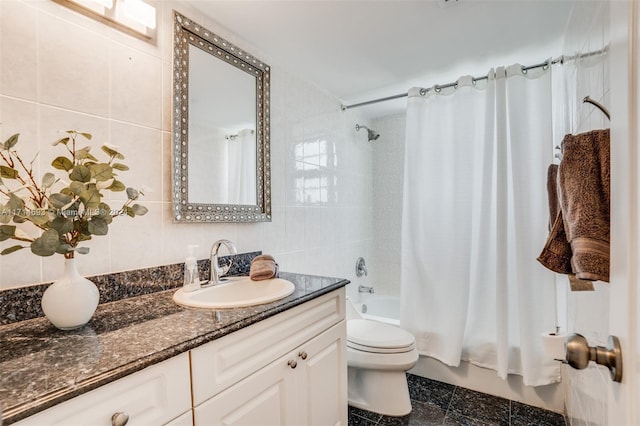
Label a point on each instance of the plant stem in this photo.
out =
(26, 240)
(37, 195)
(73, 142)
(9, 162)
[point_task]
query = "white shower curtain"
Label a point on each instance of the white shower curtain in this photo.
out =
(475, 217)
(242, 168)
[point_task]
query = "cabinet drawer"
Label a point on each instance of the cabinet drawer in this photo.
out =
(223, 362)
(155, 395)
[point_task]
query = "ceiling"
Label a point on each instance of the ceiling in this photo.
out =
(363, 50)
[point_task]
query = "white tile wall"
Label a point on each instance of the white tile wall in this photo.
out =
(19, 44)
(588, 312)
(388, 175)
(61, 70)
(73, 66)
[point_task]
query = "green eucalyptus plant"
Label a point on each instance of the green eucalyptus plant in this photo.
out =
(65, 213)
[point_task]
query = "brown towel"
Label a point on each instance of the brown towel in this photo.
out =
(556, 254)
(263, 267)
(552, 192)
(584, 195)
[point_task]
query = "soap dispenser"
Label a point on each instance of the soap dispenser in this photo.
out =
(191, 276)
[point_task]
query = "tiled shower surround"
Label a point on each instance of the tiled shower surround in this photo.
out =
(438, 403)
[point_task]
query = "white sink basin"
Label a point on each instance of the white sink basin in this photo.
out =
(237, 292)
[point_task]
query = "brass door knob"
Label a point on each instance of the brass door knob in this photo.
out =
(579, 353)
(292, 363)
(302, 354)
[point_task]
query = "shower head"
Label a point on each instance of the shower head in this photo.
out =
(372, 135)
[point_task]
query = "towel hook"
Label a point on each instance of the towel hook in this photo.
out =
(598, 105)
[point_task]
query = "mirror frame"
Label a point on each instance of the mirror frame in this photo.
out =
(187, 32)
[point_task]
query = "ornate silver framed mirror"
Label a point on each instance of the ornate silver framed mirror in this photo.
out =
(221, 160)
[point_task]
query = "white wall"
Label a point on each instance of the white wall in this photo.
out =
(60, 70)
(588, 312)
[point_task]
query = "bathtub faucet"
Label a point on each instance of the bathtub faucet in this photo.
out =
(365, 289)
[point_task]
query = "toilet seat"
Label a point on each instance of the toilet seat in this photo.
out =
(377, 337)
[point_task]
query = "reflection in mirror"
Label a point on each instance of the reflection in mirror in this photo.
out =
(221, 130)
(222, 145)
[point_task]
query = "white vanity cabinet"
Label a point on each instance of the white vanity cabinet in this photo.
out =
(158, 395)
(289, 369)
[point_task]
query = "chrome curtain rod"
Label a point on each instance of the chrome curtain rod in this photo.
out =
(560, 60)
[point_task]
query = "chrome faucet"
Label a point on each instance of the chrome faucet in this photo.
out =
(216, 272)
(365, 289)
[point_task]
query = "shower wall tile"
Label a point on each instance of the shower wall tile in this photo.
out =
(388, 172)
(76, 73)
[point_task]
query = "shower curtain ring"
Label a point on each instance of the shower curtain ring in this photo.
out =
(437, 88)
(423, 92)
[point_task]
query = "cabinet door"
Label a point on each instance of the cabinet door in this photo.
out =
(267, 397)
(322, 365)
(184, 420)
(220, 364)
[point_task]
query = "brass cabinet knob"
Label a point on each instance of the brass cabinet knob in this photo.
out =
(302, 354)
(119, 419)
(292, 363)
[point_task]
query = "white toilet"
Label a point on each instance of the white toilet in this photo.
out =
(378, 355)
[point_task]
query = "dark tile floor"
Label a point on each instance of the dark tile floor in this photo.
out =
(438, 403)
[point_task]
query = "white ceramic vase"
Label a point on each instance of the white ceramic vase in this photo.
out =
(70, 302)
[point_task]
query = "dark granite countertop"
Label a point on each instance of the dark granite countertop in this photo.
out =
(41, 366)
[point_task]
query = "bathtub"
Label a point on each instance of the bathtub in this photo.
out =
(381, 308)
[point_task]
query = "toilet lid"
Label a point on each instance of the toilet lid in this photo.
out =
(374, 334)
